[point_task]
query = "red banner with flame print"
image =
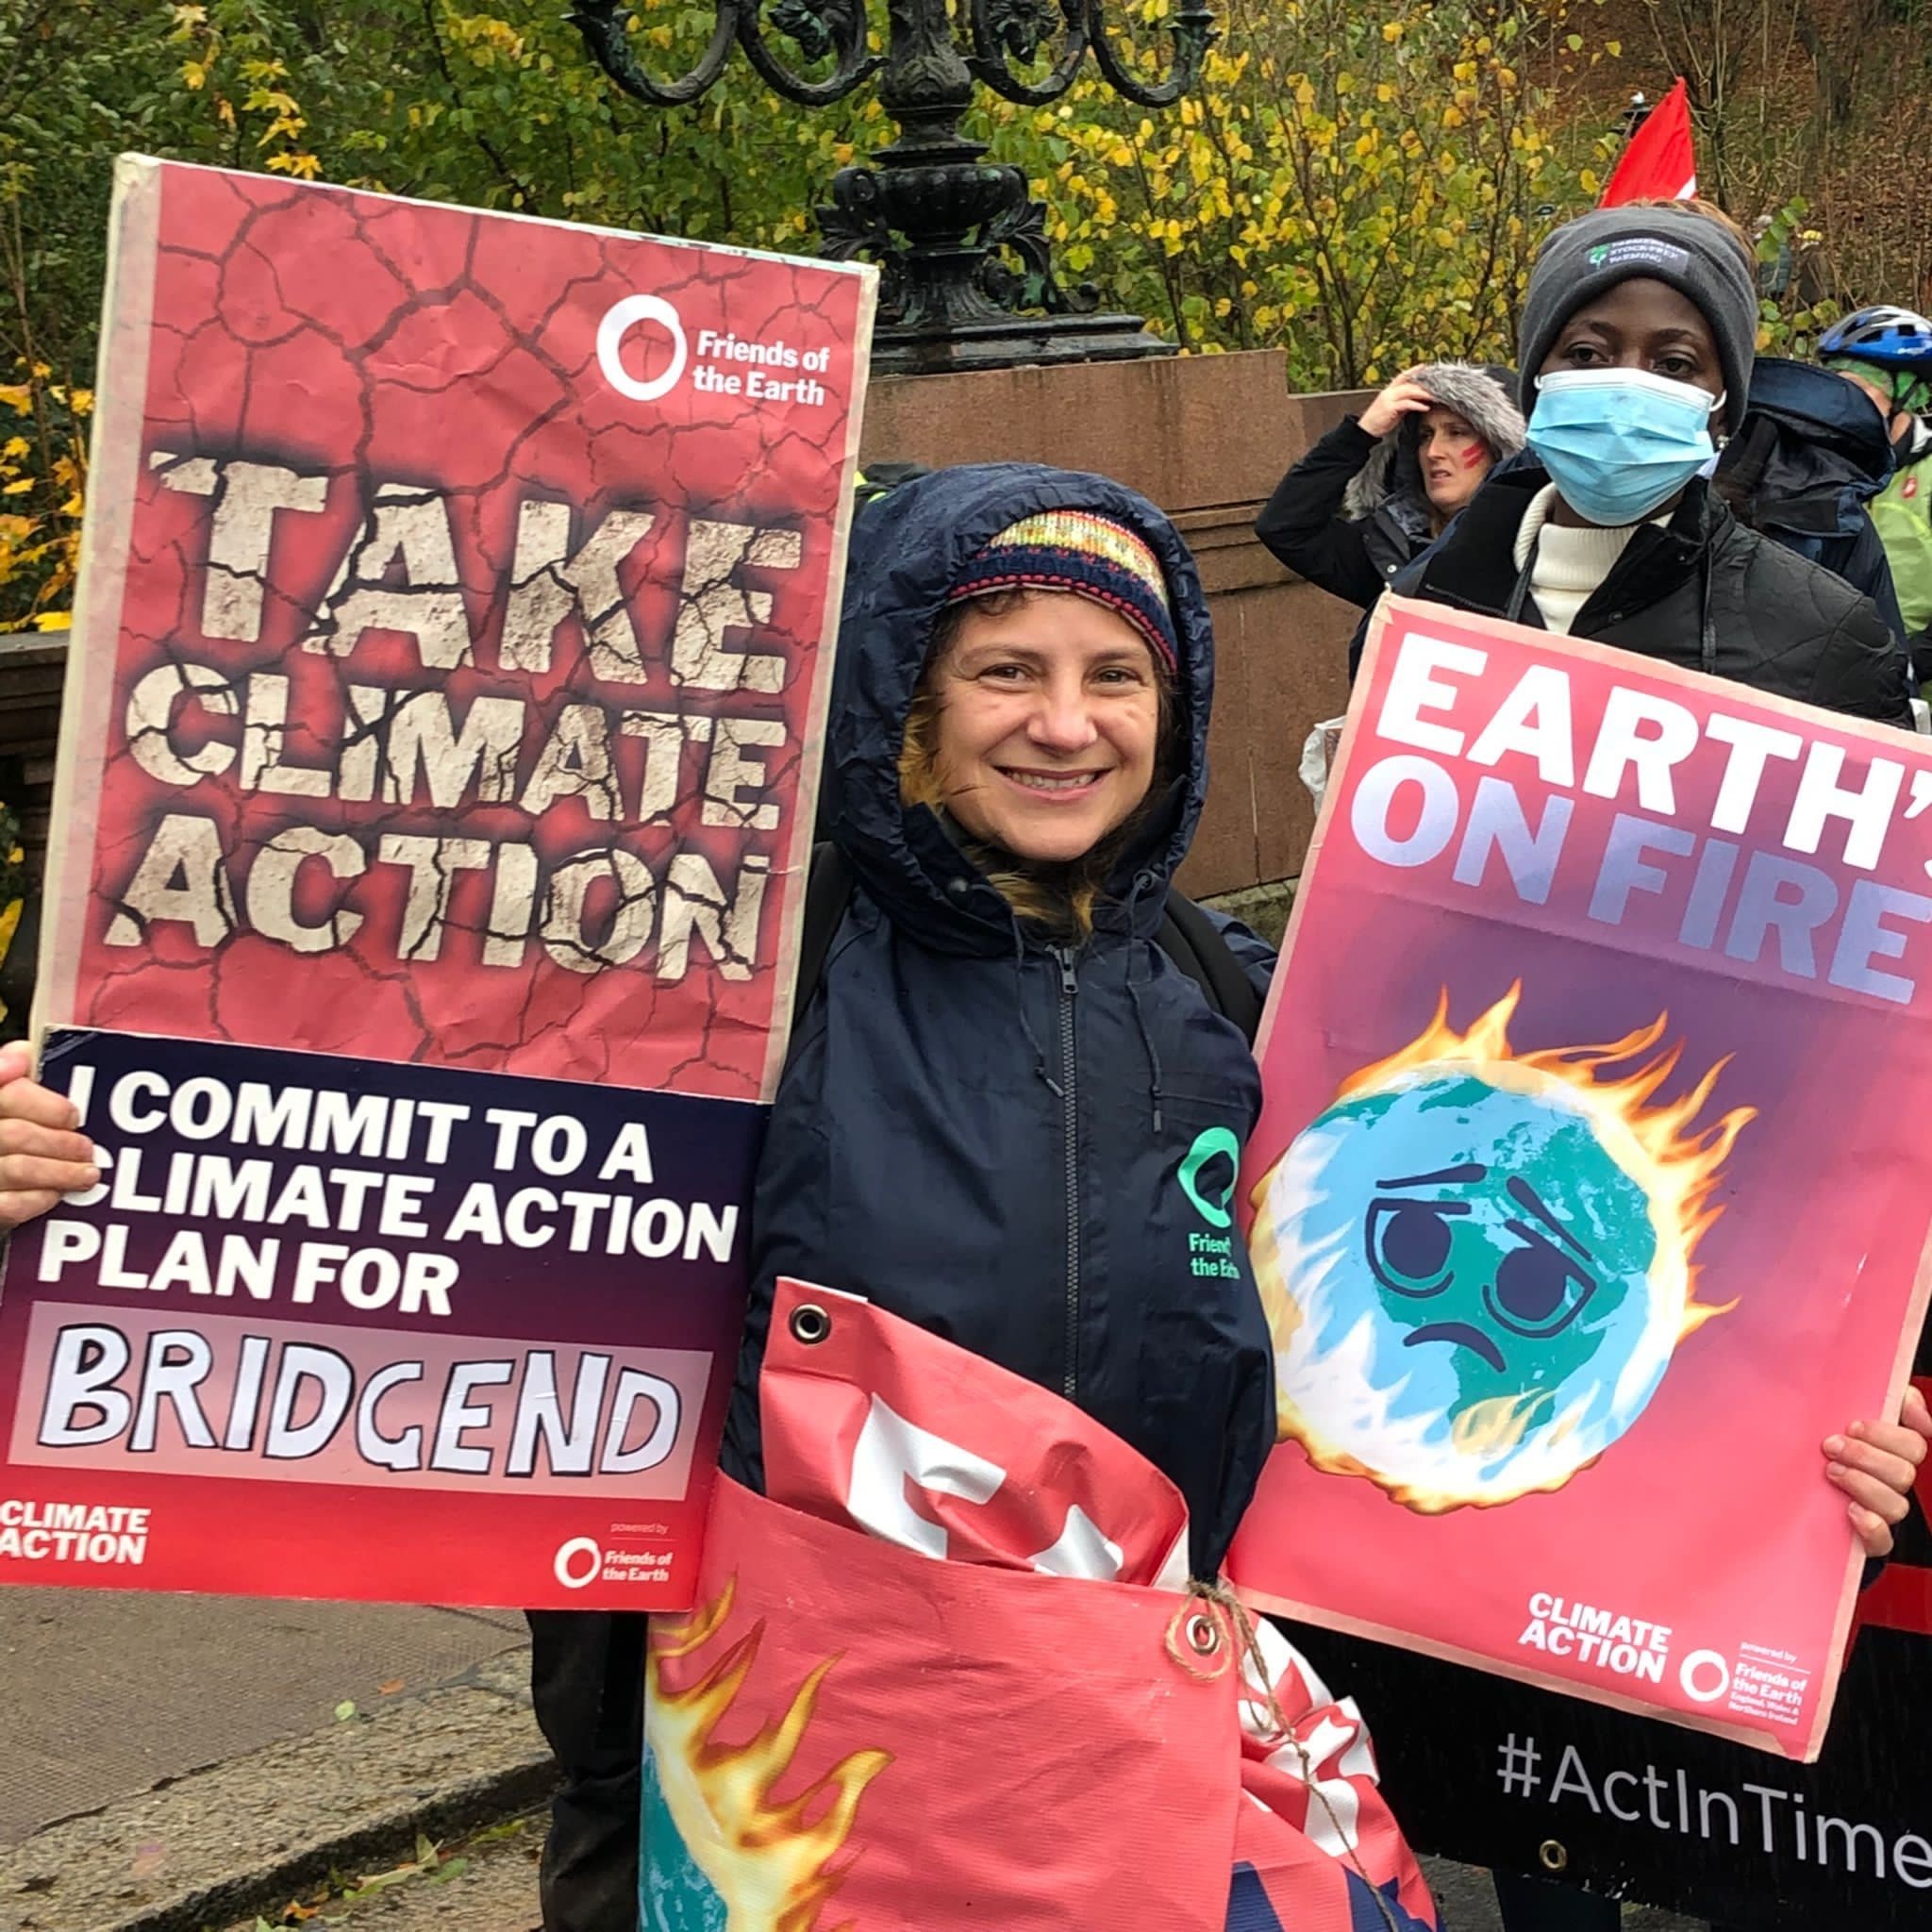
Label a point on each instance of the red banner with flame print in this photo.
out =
(945, 1676)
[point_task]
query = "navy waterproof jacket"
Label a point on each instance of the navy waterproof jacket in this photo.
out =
(984, 1133)
(1808, 457)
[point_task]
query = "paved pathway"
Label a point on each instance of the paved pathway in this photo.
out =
(496, 1892)
(104, 1694)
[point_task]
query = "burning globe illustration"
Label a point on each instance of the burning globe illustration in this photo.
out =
(1478, 1263)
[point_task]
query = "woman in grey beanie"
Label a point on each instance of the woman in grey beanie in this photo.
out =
(1636, 341)
(1636, 352)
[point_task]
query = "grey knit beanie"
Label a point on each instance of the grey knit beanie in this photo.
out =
(1697, 257)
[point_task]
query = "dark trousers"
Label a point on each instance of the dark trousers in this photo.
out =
(1538, 1905)
(1541, 1905)
(586, 1681)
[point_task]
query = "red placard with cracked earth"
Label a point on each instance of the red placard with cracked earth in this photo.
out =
(455, 635)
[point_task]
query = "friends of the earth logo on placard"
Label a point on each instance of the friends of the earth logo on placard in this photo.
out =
(1206, 1178)
(1478, 1262)
(1757, 1680)
(648, 330)
(583, 1560)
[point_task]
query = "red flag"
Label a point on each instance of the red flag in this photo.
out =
(1658, 160)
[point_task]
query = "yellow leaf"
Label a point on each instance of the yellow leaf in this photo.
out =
(1613, 48)
(54, 620)
(19, 489)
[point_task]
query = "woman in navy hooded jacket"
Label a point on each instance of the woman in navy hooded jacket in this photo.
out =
(990, 1099)
(990, 1096)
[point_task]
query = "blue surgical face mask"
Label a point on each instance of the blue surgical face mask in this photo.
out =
(1618, 443)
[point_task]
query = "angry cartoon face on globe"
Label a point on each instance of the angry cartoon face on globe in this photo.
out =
(1477, 1263)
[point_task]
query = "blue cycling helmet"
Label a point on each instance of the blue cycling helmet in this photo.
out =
(1890, 338)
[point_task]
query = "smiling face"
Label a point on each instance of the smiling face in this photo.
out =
(1641, 323)
(1454, 459)
(1049, 723)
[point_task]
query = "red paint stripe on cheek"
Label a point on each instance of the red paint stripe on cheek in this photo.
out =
(1471, 458)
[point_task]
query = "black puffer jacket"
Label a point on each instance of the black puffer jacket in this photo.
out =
(1702, 592)
(1353, 512)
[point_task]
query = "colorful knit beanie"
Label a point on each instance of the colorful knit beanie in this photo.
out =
(1090, 556)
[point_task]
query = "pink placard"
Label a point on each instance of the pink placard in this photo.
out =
(1588, 1197)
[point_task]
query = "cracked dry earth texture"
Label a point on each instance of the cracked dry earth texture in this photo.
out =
(462, 701)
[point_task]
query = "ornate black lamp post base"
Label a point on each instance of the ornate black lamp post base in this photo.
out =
(939, 221)
(945, 224)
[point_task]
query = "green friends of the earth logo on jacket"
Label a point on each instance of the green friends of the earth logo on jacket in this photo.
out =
(1208, 1171)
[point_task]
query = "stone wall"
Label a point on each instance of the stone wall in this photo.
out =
(1206, 437)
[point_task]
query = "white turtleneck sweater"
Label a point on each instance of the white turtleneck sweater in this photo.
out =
(1570, 561)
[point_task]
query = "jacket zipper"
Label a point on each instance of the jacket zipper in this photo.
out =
(1070, 1127)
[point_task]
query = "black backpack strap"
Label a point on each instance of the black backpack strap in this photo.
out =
(1195, 944)
(828, 893)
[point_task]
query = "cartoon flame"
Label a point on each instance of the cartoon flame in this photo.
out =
(1677, 1169)
(771, 1863)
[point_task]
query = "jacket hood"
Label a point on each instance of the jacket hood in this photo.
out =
(1808, 454)
(1481, 396)
(908, 550)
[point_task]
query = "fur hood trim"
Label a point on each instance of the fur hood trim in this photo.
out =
(1482, 397)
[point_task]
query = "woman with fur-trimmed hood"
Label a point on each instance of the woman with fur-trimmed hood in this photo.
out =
(1379, 488)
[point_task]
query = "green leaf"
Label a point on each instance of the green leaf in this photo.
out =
(345, 1710)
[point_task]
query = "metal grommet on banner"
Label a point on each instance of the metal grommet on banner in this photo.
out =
(1552, 1855)
(1198, 1640)
(811, 1324)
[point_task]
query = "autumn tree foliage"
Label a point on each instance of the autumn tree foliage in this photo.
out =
(1354, 181)
(1358, 183)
